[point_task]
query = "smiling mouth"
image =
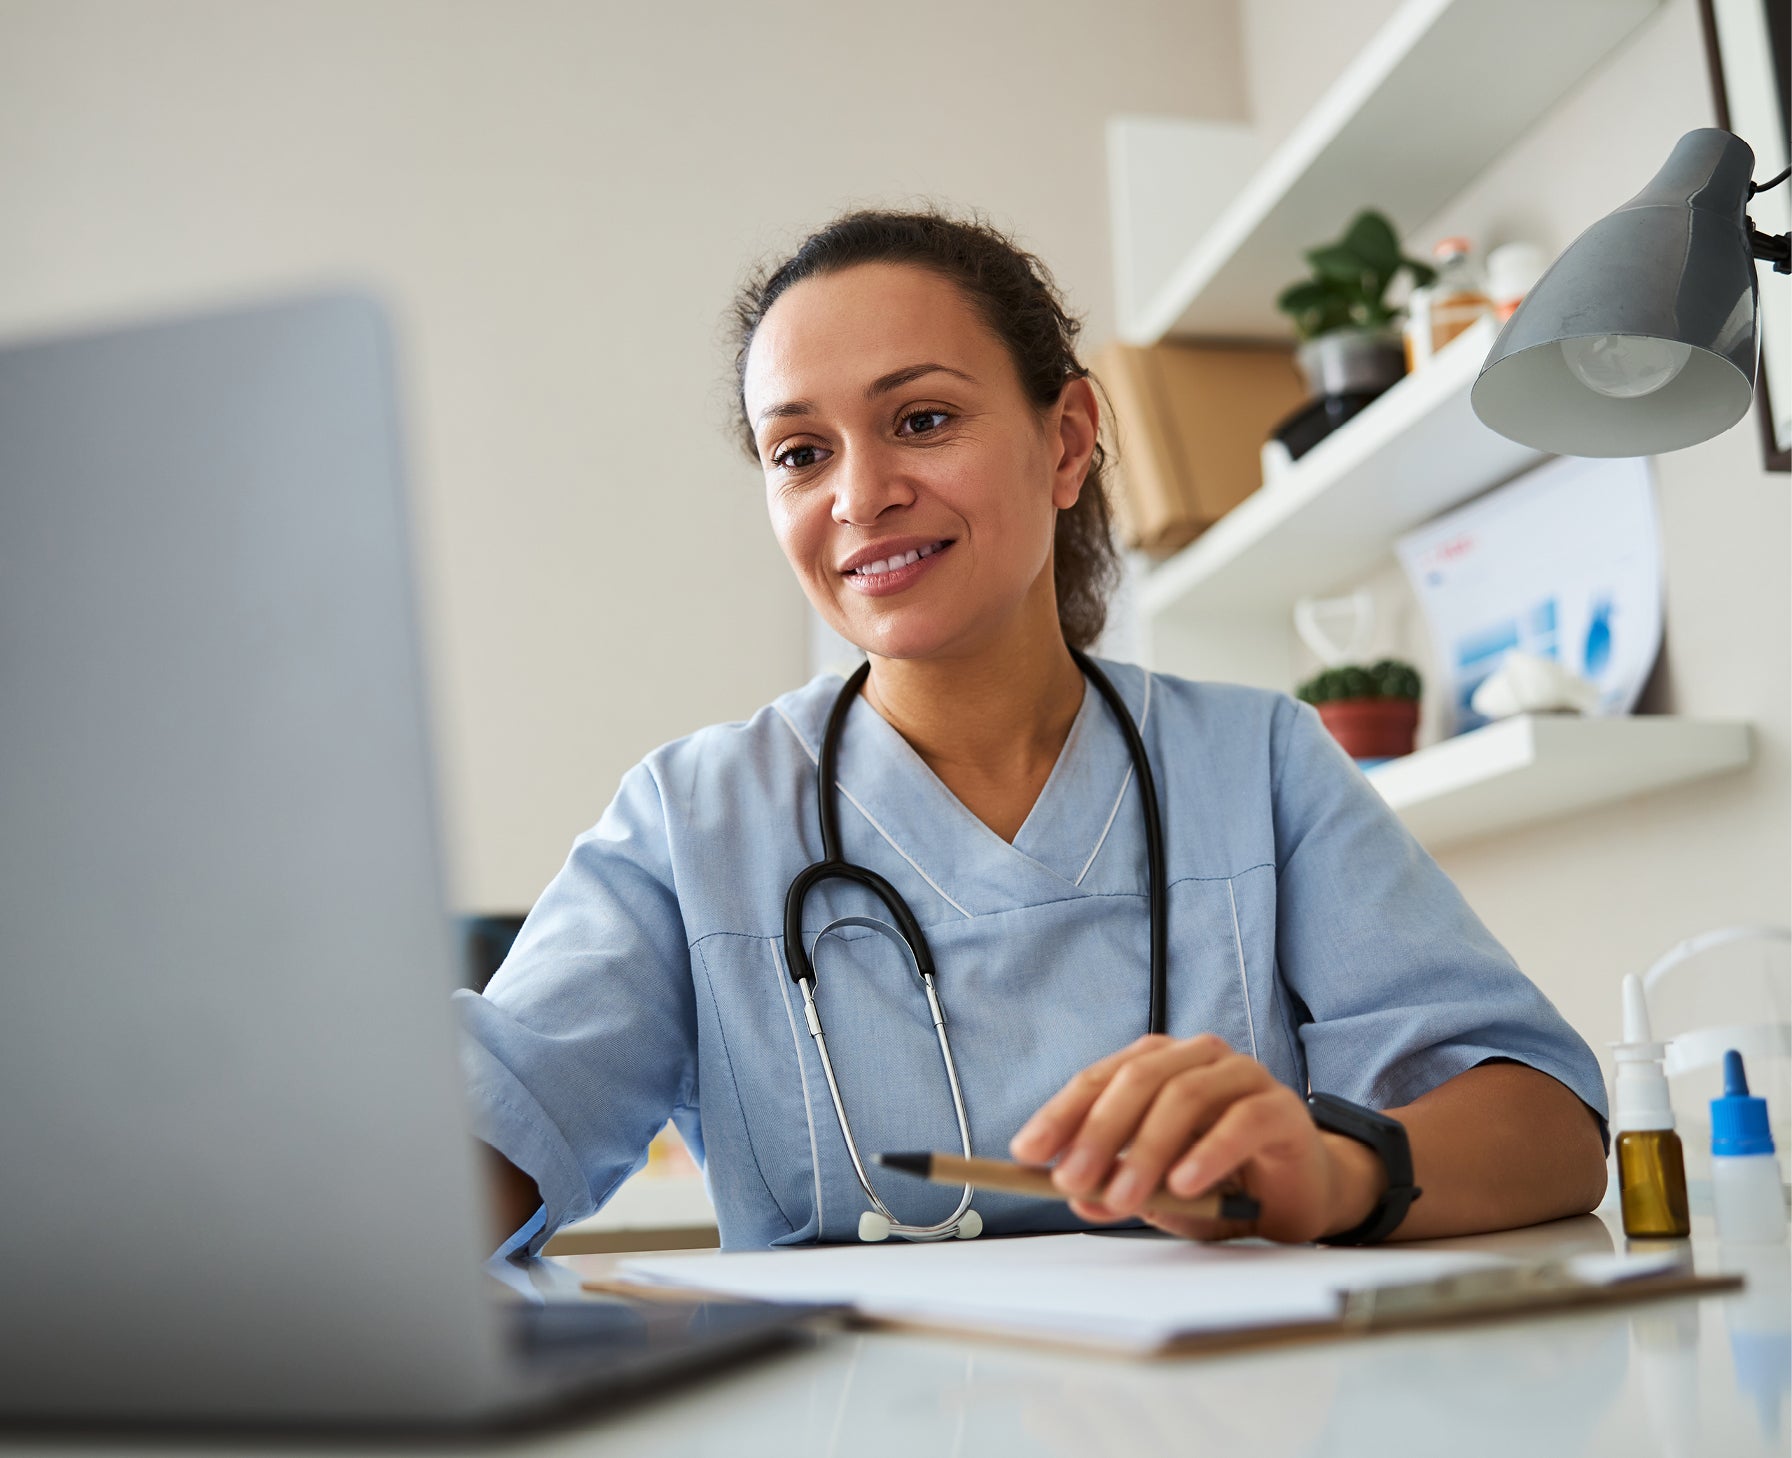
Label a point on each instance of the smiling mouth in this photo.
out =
(885, 566)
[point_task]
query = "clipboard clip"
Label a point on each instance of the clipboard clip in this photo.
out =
(1471, 1293)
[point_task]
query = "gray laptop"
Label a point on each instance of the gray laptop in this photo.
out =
(236, 1179)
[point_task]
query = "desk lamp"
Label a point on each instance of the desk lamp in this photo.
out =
(1643, 336)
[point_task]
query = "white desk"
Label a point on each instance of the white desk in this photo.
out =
(1659, 1378)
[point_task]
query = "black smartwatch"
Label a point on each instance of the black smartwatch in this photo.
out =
(1387, 1137)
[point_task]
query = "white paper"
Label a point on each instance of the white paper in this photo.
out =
(1564, 562)
(1128, 1293)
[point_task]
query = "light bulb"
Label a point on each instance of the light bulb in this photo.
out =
(1625, 366)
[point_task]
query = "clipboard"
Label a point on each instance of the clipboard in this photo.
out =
(1534, 1289)
(1481, 1289)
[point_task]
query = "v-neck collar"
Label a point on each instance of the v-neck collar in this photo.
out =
(911, 808)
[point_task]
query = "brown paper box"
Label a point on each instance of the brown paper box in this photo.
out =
(1191, 420)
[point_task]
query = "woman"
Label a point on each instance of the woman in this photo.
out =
(909, 386)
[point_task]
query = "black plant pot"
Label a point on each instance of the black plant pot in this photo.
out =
(1317, 419)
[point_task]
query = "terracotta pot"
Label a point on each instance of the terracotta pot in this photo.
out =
(1372, 728)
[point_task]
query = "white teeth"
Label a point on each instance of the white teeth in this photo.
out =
(892, 564)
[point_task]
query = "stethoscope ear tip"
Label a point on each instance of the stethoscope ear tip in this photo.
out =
(874, 1227)
(970, 1226)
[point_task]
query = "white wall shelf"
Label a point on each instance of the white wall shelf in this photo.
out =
(1333, 517)
(1536, 767)
(1439, 92)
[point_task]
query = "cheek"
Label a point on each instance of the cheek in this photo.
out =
(1008, 491)
(797, 526)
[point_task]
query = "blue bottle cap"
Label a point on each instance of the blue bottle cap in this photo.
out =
(1739, 1120)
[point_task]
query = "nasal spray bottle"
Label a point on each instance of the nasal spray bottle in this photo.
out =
(1746, 1195)
(1651, 1168)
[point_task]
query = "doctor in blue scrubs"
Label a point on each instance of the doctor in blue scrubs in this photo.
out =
(909, 387)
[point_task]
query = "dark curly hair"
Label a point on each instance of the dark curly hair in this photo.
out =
(1015, 294)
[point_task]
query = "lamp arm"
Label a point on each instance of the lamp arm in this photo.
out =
(1766, 246)
(1770, 248)
(1756, 188)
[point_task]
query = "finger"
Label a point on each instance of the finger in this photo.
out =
(1190, 1228)
(1114, 1116)
(1094, 1212)
(1187, 1105)
(1043, 1135)
(1243, 1131)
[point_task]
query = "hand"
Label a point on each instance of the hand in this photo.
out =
(1188, 1116)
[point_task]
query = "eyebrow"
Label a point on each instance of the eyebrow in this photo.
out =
(882, 385)
(896, 379)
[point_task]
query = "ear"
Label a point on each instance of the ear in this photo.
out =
(1073, 428)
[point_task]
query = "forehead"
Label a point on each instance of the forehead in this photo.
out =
(843, 330)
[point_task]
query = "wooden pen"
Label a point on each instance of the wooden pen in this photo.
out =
(1022, 1179)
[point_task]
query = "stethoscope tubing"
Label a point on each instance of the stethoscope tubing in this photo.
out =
(1159, 880)
(834, 867)
(943, 1229)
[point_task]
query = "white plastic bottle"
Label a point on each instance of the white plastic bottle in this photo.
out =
(1746, 1194)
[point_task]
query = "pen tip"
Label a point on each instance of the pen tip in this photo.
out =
(915, 1164)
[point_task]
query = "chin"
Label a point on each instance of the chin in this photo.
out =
(902, 636)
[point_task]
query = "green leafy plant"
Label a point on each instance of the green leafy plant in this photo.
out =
(1350, 278)
(1388, 679)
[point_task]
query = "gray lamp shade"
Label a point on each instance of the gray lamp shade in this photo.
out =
(1657, 302)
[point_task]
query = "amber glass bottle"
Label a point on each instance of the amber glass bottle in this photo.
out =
(1652, 1184)
(1651, 1171)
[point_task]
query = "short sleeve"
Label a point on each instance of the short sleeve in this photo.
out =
(584, 1043)
(1398, 985)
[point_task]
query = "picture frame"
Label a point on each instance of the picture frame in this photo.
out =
(1746, 45)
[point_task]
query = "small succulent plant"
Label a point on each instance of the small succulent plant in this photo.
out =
(1388, 679)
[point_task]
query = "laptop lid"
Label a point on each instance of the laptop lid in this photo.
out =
(237, 1181)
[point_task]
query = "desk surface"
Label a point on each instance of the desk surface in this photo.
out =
(1684, 1376)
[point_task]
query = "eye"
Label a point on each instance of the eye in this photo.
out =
(922, 422)
(796, 457)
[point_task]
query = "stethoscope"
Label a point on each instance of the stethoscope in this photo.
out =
(964, 1223)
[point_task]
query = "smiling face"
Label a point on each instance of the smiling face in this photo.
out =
(913, 486)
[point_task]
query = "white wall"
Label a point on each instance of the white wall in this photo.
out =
(1580, 902)
(559, 199)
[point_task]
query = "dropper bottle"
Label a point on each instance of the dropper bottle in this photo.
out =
(1651, 1166)
(1746, 1195)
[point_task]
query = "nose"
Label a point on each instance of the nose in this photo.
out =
(866, 485)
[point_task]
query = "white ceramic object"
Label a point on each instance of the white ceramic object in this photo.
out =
(1527, 684)
(1316, 617)
(1276, 461)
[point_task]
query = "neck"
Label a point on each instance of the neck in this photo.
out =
(1000, 714)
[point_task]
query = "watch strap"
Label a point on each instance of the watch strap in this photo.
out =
(1387, 1137)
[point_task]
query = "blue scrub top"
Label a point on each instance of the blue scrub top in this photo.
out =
(1306, 927)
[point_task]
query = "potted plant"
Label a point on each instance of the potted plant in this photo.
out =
(1350, 341)
(1373, 712)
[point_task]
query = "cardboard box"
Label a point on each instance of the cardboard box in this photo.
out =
(1190, 420)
